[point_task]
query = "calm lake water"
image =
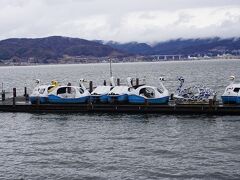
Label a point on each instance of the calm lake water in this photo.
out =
(120, 146)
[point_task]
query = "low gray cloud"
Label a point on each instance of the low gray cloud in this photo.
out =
(125, 20)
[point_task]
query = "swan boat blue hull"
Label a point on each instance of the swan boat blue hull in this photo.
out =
(135, 99)
(118, 98)
(100, 98)
(230, 99)
(36, 100)
(52, 99)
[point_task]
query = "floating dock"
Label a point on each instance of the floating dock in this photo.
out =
(21, 104)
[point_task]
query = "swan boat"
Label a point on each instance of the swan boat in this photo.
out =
(69, 94)
(119, 94)
(149, 94)
(193, 94)
(100, 93)
(40, 92)
(231, 94)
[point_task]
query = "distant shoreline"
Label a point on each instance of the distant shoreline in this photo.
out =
(119, 62)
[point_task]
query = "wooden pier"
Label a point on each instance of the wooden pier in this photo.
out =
(21, 104)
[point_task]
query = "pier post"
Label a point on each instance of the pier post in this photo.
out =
(90, 86)
(14, 101)
(118, 82)
(14, 92)
(214, 99)
(14, 96)
(69, 88)
(25, 91)
(211, 102)
(104, 82)
(137, 82)
(3, 95)
(27, 97)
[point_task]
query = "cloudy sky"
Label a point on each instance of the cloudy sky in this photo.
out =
(120, 20)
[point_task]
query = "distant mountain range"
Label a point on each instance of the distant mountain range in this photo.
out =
(53, 47)
(56, 47)
(208, 46)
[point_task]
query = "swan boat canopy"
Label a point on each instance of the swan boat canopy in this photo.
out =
(149, 94)
(40, 92)
(100, 93)
(197, 94)
(120, 93)
(231, 94)
(69, 94)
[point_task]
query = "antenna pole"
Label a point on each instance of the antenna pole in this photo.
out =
(110, 67)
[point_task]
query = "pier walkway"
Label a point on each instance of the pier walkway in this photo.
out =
(20, 104)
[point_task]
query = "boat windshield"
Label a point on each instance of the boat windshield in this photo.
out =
(50, 87)
(236, 90)
(147, 92)
(66, 90)
(62, 90)
(41, 91)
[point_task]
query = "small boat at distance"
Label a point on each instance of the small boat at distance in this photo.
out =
(231, 94)
(149, 94)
